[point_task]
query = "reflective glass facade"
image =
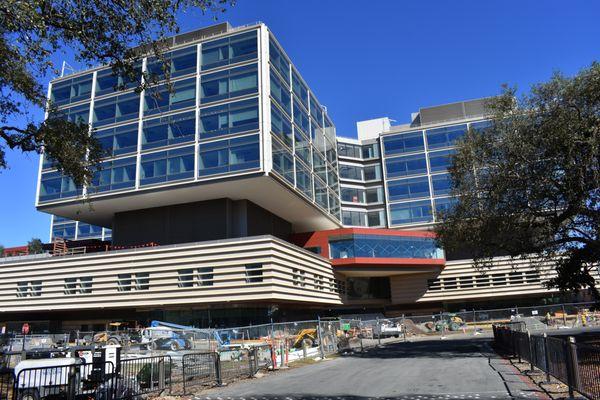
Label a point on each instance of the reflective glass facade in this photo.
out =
(379, 246)
(209, 125)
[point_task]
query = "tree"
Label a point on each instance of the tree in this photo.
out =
(529, 185)
(35, 246)
(99, 32)
(1, 250)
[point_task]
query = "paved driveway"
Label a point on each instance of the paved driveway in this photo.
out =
(436, 369)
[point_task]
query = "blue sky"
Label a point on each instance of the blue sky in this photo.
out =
(382, 58)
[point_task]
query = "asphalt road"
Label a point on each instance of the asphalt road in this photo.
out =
(436, 369)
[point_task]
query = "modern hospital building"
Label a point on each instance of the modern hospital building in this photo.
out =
(232, 200)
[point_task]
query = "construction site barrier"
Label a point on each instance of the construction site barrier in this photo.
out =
(199, 369)
(575, 364)
(146, 375)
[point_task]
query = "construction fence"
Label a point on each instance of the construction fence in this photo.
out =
(575, 364)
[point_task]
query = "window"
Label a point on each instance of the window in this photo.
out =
(231, 50)
(370, 151)
(445, 137)
(482, 281)
(441, 184)
(114, 175)
(316, 110)
(443, 206)
(340, 286)
(279, 61)
(349, 150)
(304, 180)
(412, 212)
(332, 178)
(321, 193)
(406, 166)
(117, 141)
(298, 277)
(124, 282)
(229, 155)
(319, 165)
(185, 278)
(334, 205)
(254, 273)
(372, 172)
(159, 99)
(450, 283)
(116, 109)
(166, 166)
(516, 278)
(178, 63)
(82, 285)
(375, 218)
(174, 129)
(87, 231)
(301, 118)
(241, 116)
(280, 93)
(404, 143)
(299, 88)
(353, 218)
(532, 276)
(351, 172)
(383, 246)
(498, 279)
(71, 90)
(353, 195)
(408, 189)
(142, 281)
(29, 289)
(434, 284)
(205, 276)
(283, 161)
(229, 83)
(78, 115)
(440, 160)
(281, 126)
(64, 231)
(374, 195)
(56, 186)
(107, 81)
(302, 147)
(481, 126)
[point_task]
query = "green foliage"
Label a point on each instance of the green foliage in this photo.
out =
(1, 250)
(35, 246)
(529, 186)
(32, 32)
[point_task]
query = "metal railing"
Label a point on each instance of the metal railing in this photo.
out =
(217, 368)
(575, 364)
(146, 375)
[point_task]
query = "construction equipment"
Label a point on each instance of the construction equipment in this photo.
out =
(306, 338)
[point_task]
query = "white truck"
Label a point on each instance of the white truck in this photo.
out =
(85, 373)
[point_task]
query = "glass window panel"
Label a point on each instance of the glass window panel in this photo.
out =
(353, 218)
(169, 130)
(281, 126)
(440, 160)
(229, 118)
(302, 147)
(229, 83)
(375, 218)
(229, 50)
(403, 143)
(372, 172)
(279, 61)
(113, 175)
(229, 155)
(380, 246)
(441, 184)
(283, 161)
(408, 189)
(280, 93)
(444, 205)
(445, 137)
(299, 88)
(351, 172)
(304, 180)
(412, 212)
(406, 165)
(352, 195)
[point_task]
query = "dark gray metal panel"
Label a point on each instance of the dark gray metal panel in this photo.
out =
(453, 111)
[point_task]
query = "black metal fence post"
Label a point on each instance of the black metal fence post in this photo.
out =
(546, 358)
(572, 365)
(218, 375)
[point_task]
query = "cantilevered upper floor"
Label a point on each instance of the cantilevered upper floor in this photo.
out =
(240, 124)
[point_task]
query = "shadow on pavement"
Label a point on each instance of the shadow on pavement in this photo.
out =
(424, 396)
(427, 349)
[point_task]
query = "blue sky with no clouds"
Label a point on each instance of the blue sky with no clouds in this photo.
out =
(382, 58)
